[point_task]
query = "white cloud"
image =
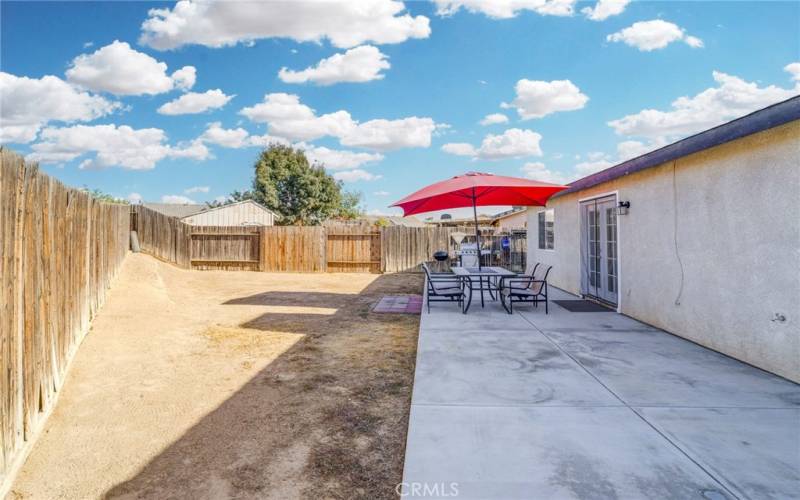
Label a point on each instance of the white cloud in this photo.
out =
(631, 149)
(237, 137)
(589, 167)
(338, 159)
(193, 150)
(652, 35)
(332, 159)
(121, 70)
(494, 118)
(360, 64)
(194, 102)
(538, 171)
(513, 143)
(604, 9)
(459, 148)
(536, 98)
(229, 138)
(217, 24)
(177, 199)
(134, 198)
(287, 117)
(197, 189)
(732, 98)
(794, 70)
(596, 155)
(381, 193)
(386, 135)
(185, 77)
(506, 9)
(109, 145)
(355, 175)
(27, 104)
(267, 140)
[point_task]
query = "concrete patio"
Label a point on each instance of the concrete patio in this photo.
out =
(591, 405)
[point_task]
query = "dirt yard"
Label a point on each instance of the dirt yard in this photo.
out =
(214, 384)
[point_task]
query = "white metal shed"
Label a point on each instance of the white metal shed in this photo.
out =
(243, 213)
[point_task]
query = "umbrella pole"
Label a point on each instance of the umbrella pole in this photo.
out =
(477, 231)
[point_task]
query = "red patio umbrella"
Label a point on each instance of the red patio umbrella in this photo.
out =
(477, 189)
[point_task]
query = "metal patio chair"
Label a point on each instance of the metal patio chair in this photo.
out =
(530, 288)
(443, 287)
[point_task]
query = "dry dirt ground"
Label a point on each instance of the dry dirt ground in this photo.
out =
(215, 384)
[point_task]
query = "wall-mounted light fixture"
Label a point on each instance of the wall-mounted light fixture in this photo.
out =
(622, 207)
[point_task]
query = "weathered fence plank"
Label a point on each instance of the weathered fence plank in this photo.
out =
(163, 237)
(60, 249)
(293, 248)
(332, 248)
(353, 249)
(225, 247)
(405, 248)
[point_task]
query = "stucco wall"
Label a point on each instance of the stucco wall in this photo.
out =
(738, 238)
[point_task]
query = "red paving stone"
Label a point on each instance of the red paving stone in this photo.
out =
(399, 304)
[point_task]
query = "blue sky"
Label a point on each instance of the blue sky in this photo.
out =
(580, 94)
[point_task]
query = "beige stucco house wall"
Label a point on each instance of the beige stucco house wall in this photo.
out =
(731, 216)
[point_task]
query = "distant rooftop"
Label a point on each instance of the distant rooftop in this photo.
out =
(176, 210)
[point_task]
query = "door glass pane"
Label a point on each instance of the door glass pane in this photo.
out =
(611, 248)
(594, 248)
(541, 230)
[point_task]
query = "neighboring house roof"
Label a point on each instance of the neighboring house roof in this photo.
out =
(222, 207)
(763, 119)
(508, 213)
(399, 221)
(176, 210)
(393, 220)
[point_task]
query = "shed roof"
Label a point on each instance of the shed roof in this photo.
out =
(757, 121)
(229, 205)
(175, 209)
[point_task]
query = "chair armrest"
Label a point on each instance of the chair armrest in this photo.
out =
(445, 280)
(511, 281)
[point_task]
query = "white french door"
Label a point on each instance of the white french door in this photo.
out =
(599, 265)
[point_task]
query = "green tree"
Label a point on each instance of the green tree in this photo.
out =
(234, 197)
(350, 205)
(301, 193)
(99, 195)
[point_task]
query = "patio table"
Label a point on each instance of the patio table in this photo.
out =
(468, 273)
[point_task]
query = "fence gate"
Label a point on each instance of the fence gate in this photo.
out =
(354, 249)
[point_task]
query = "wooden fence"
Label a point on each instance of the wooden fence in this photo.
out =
(161, 236)
(353, 249)
(220, 247)
(405, 248)
(59, 249)
(344, 248)
(293, 248)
